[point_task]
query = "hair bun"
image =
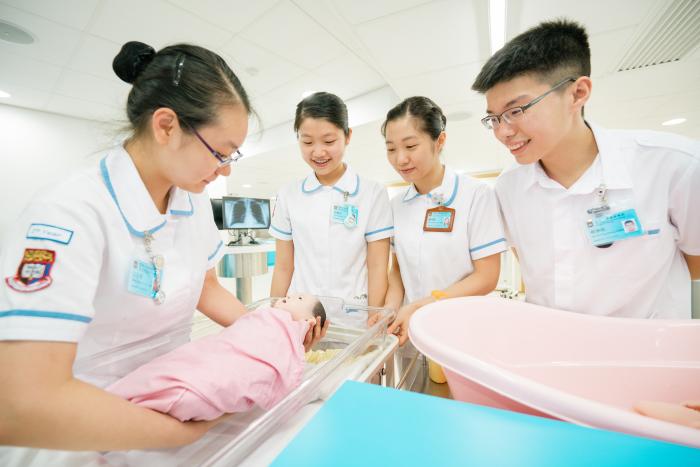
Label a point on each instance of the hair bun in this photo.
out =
(132, 59)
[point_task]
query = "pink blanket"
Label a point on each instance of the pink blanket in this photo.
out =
(257, 360)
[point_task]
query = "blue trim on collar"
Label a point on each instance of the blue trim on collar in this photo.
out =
(404, 200)
(110, 188)
(304, 190)
(176, 212)
(454, 191)
(45, 314)
(449, 201)
(354, 193)
(218, 247)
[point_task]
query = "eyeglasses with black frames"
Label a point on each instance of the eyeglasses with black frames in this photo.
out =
(514, 114)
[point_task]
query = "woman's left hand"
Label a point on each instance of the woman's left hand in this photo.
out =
(315, 333)
(399, 326)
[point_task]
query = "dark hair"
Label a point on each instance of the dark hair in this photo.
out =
(320, 310)
(323, 105)
(427, 112)
(550, 51)
(192, 81)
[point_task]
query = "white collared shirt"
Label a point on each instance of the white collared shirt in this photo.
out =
(94, 224)
(640, 277)
(435, 260)
(329, 258)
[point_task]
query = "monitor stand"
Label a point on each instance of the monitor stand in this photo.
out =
(237, 238)
(251, 235)
(234, 238)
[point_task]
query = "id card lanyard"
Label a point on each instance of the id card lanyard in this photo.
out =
(440, 218)
(345, 213)
(157, 261)
(608, 222)
(145, 278)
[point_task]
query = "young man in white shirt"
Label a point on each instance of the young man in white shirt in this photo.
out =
(577, 186)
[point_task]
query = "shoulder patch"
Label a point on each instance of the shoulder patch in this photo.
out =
(33, 272)
(49, 232)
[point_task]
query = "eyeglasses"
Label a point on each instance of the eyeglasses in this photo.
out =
(514, 114)
(224, 160)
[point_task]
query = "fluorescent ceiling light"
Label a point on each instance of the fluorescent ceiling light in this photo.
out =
(673, 121)
(497, 24)
(4, 95)
(246, 185)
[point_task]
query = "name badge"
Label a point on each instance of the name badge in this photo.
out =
(142, 278)
(606, 227)
(346, 214)
(49, 232)
(439, 219)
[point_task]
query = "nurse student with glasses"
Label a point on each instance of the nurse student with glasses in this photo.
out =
(603, 221)
(116, 254)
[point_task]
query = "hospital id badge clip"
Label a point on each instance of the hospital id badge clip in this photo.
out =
(142, 277)
(439, 219)
(345, 213)
(145, 278)
(608, 223)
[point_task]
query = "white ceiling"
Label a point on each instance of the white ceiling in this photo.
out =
(370, 52)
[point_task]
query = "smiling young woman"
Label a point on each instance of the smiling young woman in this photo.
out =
(332, 227)
(447, 230)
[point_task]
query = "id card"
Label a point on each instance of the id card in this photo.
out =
(439, 219)
(346, 214)
(608, 226)
(142, 277)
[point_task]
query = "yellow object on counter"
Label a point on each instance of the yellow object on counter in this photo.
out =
(438, 294)
(435, 372)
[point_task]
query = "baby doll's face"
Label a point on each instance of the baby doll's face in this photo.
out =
(300, 306)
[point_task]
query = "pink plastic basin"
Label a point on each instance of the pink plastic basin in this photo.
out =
(584, 369)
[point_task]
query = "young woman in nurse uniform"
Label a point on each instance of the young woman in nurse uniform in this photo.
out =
(447, 229)
(332, 227)
(116, 254)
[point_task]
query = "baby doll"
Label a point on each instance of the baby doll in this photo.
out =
(259, 359)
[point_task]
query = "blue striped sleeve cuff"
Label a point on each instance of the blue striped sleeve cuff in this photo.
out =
(379, 234)
(279, 233)
(45, 314)
(488, 249)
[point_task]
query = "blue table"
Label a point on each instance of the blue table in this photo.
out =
(366, 425)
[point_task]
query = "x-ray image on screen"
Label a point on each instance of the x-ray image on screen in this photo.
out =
(246, 213)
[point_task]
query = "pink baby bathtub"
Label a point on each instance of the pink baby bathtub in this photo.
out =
(584, 369)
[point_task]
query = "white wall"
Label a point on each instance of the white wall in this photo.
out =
(41, 148)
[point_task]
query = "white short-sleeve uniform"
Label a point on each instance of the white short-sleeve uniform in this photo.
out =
(435, 260)
(94, 224)
(640, 277)
(87, 231)
(330, 258)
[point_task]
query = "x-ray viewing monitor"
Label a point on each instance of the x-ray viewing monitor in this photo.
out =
(246, 213)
